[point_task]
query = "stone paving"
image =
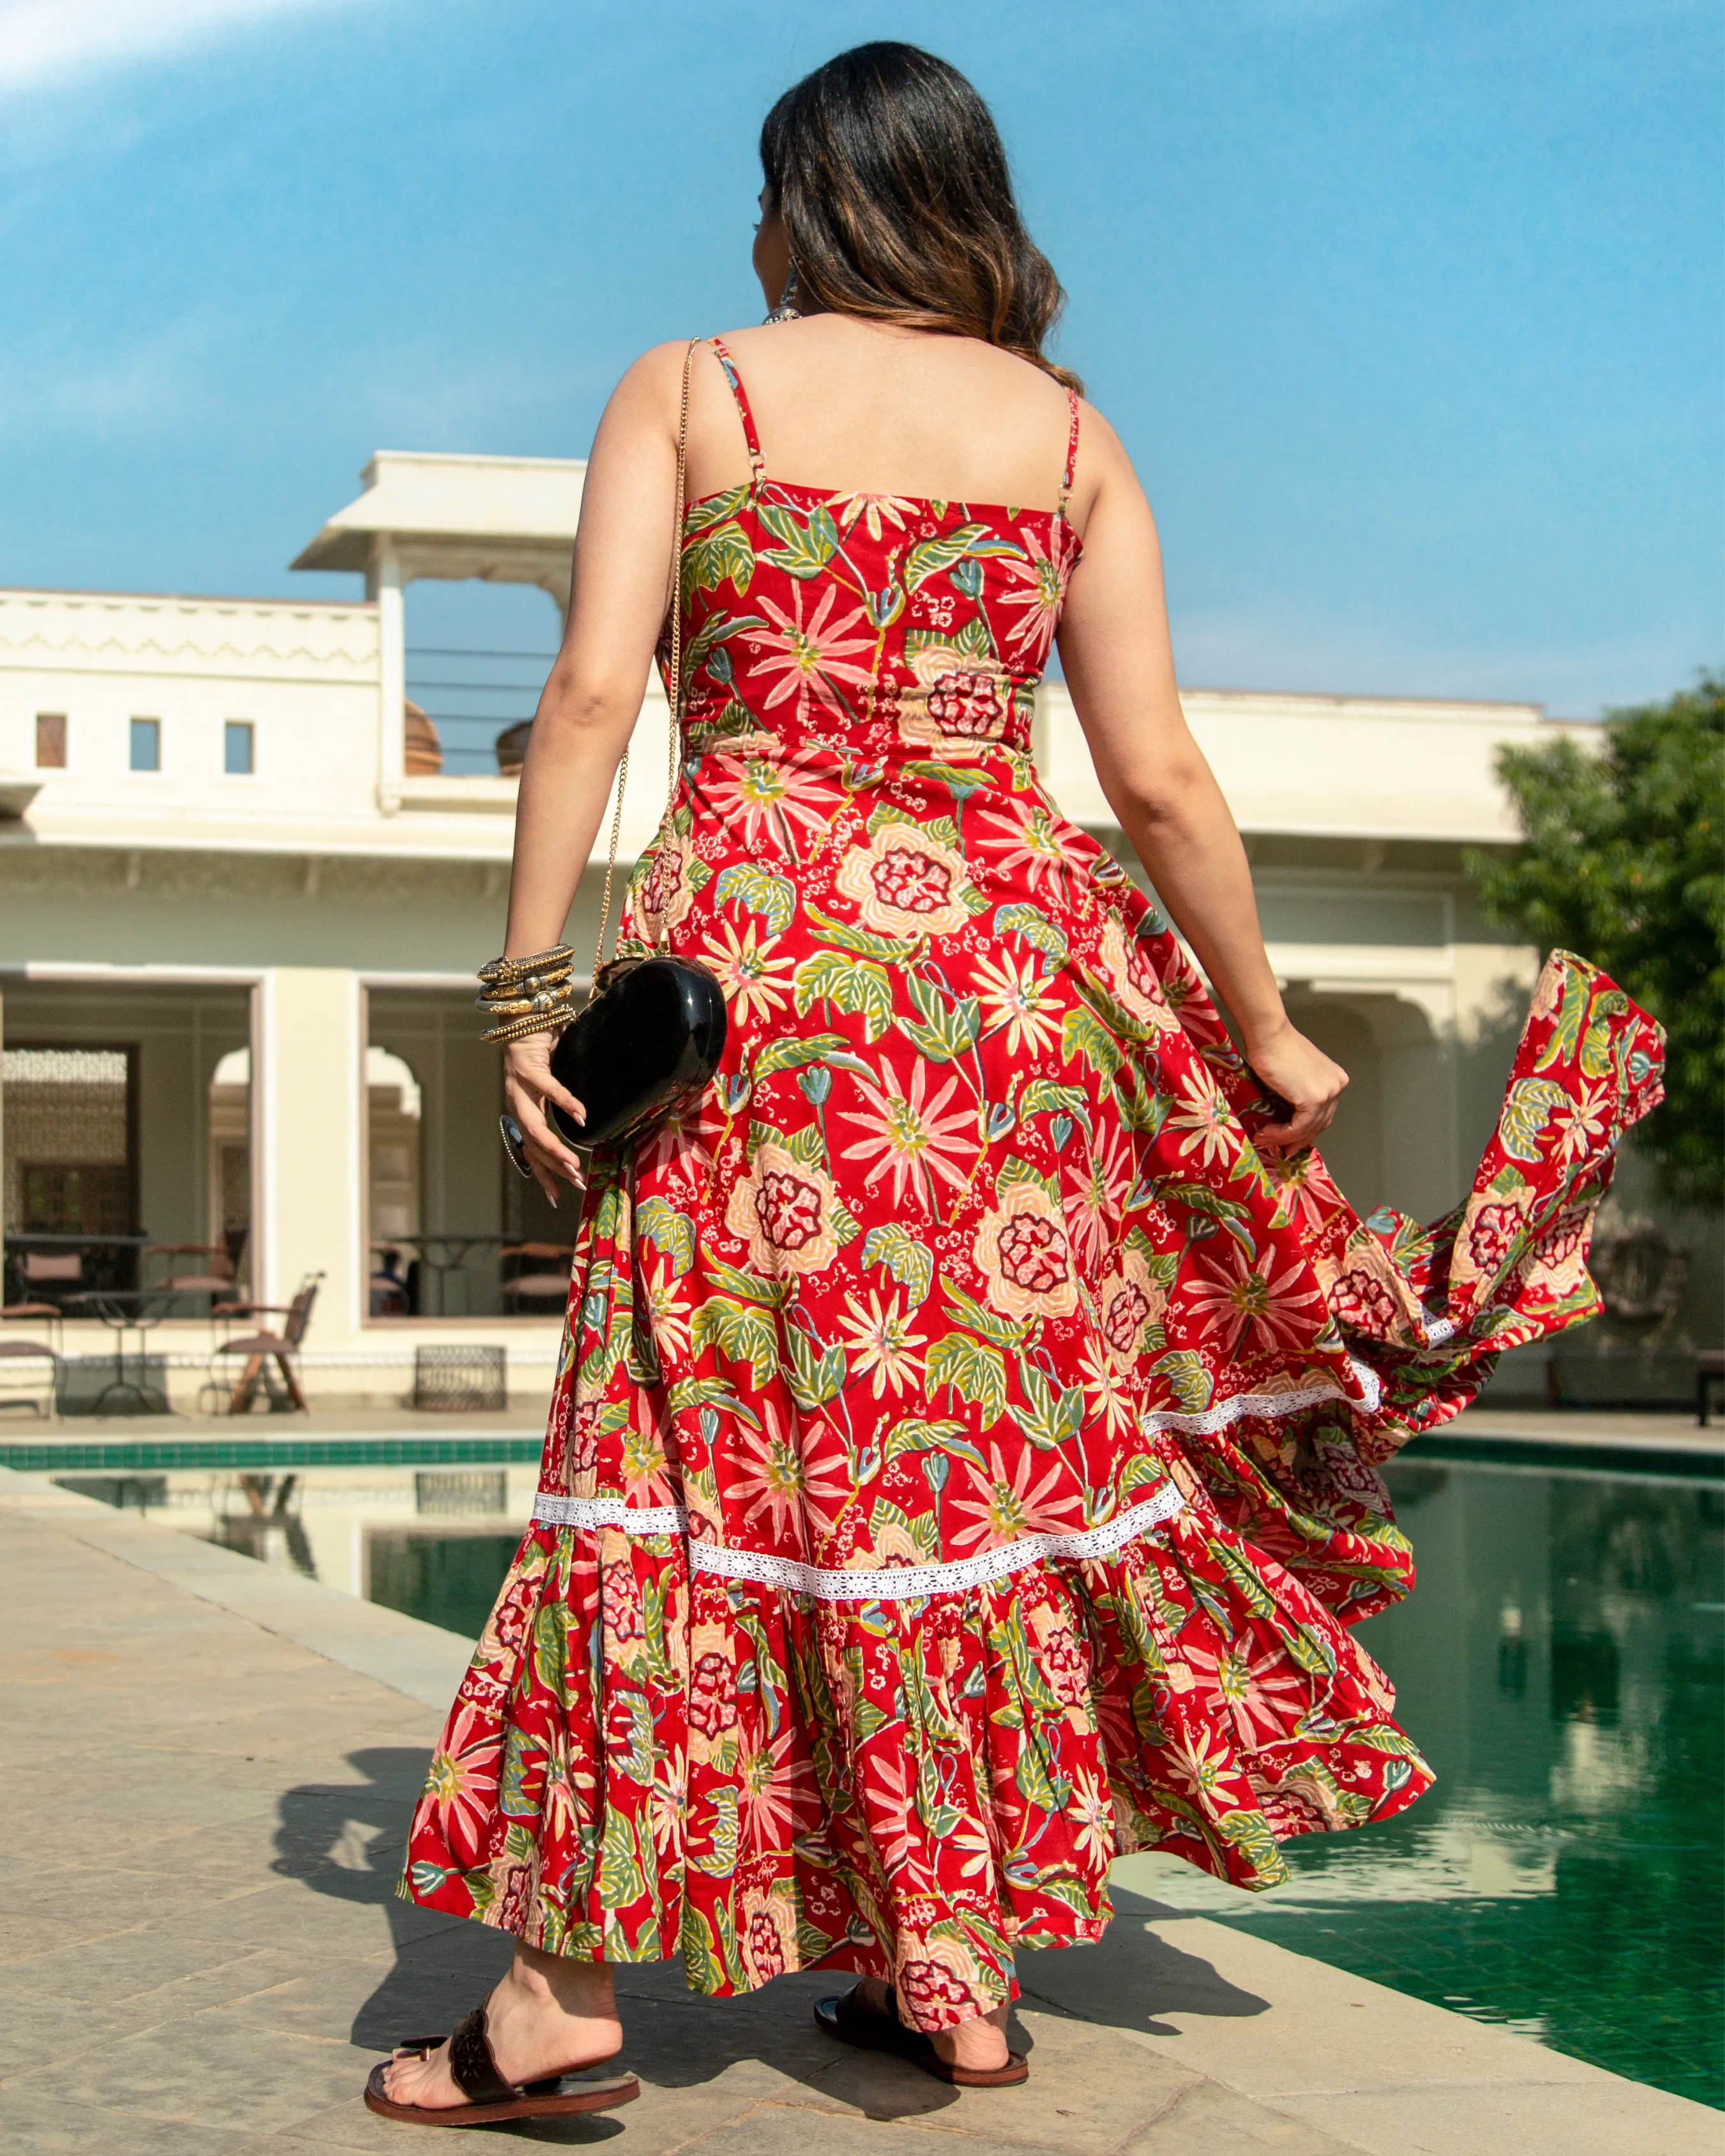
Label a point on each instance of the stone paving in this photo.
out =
(208, 1771)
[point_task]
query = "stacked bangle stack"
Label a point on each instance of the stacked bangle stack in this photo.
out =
(522, 996)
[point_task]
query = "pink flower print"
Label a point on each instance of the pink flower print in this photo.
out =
(812, 659)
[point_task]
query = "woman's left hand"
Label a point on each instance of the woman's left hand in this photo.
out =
(527, 1085)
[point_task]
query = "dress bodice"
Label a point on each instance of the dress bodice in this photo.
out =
(884, 625)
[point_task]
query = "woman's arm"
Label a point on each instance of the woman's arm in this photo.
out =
(589, 705)
(1120, 669)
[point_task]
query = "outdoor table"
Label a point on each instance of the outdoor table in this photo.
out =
(124, 1311)
(443, 1253)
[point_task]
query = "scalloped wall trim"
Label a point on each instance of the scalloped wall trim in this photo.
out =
(898, 1583)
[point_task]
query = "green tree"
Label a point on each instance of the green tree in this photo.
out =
(1624, 861)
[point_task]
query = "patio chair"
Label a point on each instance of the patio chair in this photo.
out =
(259, 1348)
(214, 1277)
(542, 1284)
(53, 1270)
(17, 1355)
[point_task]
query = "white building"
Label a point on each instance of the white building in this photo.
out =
(239, 919)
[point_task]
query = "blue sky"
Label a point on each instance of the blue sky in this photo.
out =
(1411, 314)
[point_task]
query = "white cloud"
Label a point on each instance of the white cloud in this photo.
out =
(44, 41)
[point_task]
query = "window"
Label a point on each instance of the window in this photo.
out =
(70, 1165)
(237, 748)
(50, 740)
(147, 744)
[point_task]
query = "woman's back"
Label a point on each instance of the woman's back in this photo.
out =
(856, 408)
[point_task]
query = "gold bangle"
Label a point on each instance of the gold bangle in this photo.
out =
(520, 1006)
(502, 973)
(523, 1028)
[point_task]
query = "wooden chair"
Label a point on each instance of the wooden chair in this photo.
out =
(536, 1286)
(259, 1348)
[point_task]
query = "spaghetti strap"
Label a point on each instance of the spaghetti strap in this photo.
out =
(758, 463)
(1071, 452)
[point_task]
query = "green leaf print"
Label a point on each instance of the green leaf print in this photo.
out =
(907, 1260)
(973, 1369)
(1244, 1580)
(1566, 1032)
(1250, 1833)
(1083, 1034)
(965, 1310)
(719, 627)
(1052, 1417)
(929, 557)
(1042, 1096)
(816, 1374)
(1015, 1169)
(702, 515)
(1526, 1113)
(1032, 1777)
(720, 553)
(1108, 1007)
(749, 1287)
(963, 783)
(914, 1436)
(668, 1230)
(806, 548)
(621, 1879)
(891, 950)
(970, 641)
(695, 1944)
(773, 897)
(718, 1859)
(790, 1053)
(742, 1331)
(1189, 1378)
(1038, 931)
(710, 1393)
(950, 1032)
(1596, 1048)
(856, 991)
(921, 1530)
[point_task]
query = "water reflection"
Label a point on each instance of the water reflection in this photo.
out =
(1560, 1663)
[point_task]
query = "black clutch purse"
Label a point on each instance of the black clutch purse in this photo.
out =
(645, 1048)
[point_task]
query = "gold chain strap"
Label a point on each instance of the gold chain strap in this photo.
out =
(674, 690)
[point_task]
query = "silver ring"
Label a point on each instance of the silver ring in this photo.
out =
(514, 1140)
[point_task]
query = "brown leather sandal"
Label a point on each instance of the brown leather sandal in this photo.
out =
(490, 2097)
(852, 2020)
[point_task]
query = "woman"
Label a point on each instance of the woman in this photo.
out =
(962, 1466)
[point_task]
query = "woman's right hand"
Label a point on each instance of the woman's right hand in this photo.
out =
(527, 1085)
(1303, 1079)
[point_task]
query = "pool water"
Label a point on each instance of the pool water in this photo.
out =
(1560, 1664)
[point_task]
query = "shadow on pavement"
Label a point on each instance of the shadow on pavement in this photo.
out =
(1132, 1977)
(346, 1839)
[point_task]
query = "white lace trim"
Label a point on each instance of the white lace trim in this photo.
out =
(610, 1512)
(1214, 1420)
(898, 1583)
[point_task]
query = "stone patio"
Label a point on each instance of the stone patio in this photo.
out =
(209, 1769)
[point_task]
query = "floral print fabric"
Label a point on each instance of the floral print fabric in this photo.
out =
(963, 1466)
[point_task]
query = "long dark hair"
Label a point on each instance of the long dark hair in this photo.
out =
(893, 183)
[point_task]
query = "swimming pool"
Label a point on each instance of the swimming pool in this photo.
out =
(1561, 1665)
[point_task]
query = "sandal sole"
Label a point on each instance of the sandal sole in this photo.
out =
(625, 2089)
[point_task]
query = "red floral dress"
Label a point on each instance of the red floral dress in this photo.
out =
(963, 1462)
